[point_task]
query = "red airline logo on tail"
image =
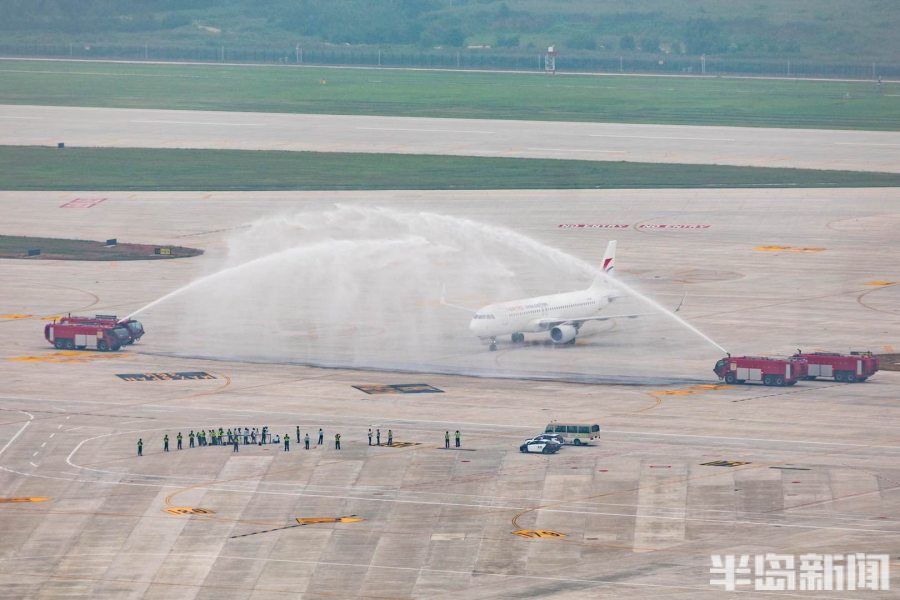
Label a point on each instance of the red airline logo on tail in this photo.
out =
(607, 264)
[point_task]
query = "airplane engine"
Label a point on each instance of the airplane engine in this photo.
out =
(563, 334)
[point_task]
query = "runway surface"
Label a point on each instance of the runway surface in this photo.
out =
(813, 468)
(746, 146)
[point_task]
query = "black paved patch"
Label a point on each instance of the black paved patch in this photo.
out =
(180, 376)
(724, 463)
(399, 388)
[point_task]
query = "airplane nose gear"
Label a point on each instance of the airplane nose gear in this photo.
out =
(493, 346)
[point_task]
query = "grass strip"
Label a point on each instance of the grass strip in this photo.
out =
(625, 99)
(44, 168)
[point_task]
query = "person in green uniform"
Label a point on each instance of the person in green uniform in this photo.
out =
(179, 440)
(337, 441)
(166, 443)
(140, 447)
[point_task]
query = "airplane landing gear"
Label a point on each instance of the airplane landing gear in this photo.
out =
(493, 346)
(518, 338)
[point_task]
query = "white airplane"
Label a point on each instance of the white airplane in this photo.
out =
(562, 315)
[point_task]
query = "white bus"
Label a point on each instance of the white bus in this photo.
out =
(575, 433)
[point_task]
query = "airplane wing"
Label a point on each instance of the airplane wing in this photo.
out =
(551, 323)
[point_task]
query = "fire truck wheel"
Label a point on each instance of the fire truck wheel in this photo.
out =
(840, 376)
(767, 380)
(779, 380)
(116, 348)
(70, 345)
(59, 344)
(730, 378)
(102, 346)
(851, 377)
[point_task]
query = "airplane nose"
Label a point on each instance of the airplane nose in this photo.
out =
(473, 326)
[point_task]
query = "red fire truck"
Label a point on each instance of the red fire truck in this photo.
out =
(760, 369)
(71, 333)
(852, 368)
(135, 328)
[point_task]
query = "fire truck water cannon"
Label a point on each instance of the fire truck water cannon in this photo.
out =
(851, 368)
(100, 332)
(761, 369)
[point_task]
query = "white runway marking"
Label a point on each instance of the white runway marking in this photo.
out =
(578, 150)
(370, 565)
(199, 123)
(18, 433)
(32, 464)
(28, 118)
(35, 453)
(743, 439)
(427, 130)
(865, 144)
(661, 137)
(44, 444)
(486, 506)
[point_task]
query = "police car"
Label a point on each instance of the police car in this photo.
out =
(540, 445)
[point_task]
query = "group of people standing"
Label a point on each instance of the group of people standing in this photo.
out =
(239, 436)
(259, 436)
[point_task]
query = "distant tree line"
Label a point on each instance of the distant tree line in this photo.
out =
(730, 27)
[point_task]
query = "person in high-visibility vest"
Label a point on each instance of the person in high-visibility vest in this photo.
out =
(390, 438)
(179, 440)
(457, 438)
(287, 442)
(191, 439)
(166, 443)
(337, 441)
(140, 445)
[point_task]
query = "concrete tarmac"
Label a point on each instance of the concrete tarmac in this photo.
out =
(744, 146)
(809, 469)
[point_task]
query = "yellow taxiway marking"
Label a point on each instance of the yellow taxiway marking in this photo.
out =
(688, 391)
(188, 510)
(879, 282)
(69, 356)
(538, 533)
(14, 316)
(28, 499)
(316, 520)
(787, 249)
